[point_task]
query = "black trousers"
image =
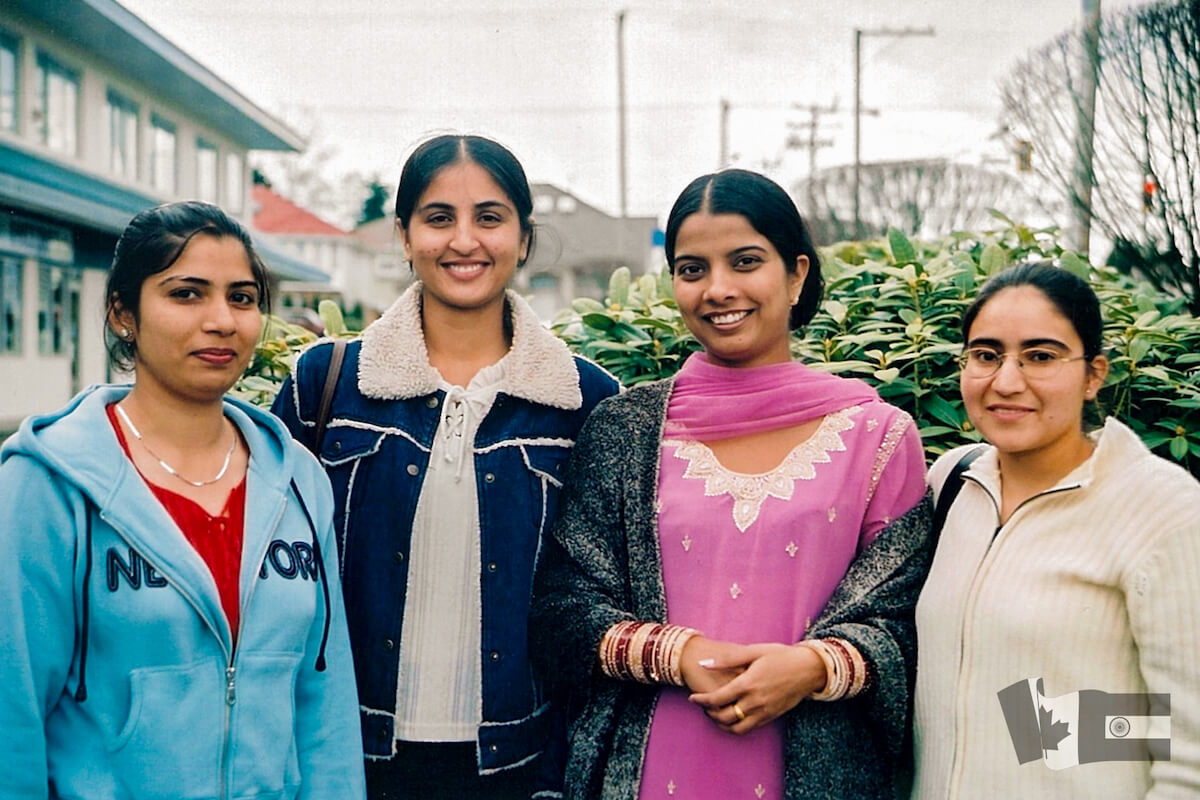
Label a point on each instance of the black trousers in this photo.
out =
(443, 771)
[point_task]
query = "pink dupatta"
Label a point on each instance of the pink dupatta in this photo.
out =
(712, 402)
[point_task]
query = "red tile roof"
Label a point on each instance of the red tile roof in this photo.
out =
(277, 214)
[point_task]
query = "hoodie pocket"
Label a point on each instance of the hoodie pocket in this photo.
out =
(170, 744)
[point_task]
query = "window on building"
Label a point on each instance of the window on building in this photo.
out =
(122, 136)
(57, 291)
(206, 171)
(8, 82)
(59, 90)
(162, 155)
(11, 301)
(235, 183)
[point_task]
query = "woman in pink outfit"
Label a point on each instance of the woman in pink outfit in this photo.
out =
(731, 583)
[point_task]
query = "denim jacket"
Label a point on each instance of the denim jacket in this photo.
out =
(385, 412)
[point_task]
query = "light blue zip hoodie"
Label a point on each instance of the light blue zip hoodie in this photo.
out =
(119, 679)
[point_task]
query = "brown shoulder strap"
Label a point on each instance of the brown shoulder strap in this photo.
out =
(331, 379)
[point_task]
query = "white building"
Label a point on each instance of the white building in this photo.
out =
(100, 117)
(366, 271)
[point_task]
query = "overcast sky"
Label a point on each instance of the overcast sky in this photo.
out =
(377, 76)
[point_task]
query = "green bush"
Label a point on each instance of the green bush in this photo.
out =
(890, 316)
(278, 348)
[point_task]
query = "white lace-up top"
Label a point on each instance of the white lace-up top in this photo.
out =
(438, 692)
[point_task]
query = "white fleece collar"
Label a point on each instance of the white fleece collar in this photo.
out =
(394, 364)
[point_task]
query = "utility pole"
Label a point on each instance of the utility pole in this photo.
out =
(723, 159)
(812, 144)
(1081, 195)
(859, 33)
(621, 114)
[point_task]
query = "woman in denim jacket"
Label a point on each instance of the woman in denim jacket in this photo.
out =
(447, 439)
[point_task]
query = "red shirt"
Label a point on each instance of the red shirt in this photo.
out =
(217, 539)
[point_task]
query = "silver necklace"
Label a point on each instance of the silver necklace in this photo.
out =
(167, 467)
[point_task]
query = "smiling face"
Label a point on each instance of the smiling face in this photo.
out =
(197, 321)
(1019, 416)
(464, 239)
(733, 290)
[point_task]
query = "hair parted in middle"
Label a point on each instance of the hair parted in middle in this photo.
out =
(434, 155)
(769, 210)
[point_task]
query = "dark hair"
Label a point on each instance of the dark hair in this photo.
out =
(769, 210)
(435, 154)
(153, 241)
(1069, 293)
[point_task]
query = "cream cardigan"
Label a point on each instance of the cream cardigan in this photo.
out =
(1094, 584)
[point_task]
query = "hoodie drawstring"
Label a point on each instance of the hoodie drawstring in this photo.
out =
(320, 665)
(81, 689)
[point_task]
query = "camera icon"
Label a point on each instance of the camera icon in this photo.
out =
(1118, 727)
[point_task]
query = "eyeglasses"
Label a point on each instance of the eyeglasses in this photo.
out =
(1036, 363)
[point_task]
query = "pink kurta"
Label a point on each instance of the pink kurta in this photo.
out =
(755, 558)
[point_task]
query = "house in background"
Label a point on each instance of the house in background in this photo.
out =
(577, 248)
(364, 273)
(100, 117)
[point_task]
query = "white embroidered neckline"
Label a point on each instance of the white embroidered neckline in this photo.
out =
(749, 491)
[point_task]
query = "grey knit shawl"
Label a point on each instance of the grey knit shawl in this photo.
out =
(602, 564)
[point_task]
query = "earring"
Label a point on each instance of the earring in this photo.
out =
(125, 333)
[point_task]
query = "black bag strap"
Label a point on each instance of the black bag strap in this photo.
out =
(950, 489)
(331, 379)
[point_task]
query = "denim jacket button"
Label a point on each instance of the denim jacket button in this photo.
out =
(495, 655)
(337, 446)
(432, 402)
(490, 478)
(491, 566)
(388, 644)
(412, 469)
(398, 557)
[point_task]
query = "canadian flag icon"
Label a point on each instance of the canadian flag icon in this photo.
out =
(1086, 726)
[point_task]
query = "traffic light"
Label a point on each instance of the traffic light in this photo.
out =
(1149, 187)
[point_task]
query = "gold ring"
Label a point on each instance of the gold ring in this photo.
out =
(737, 712)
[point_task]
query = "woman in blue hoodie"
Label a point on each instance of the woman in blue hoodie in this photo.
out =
(166, 621)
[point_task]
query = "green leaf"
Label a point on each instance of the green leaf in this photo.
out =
(331, 316)
(835, 309)
(886, 375)
(1075, 265)
(1138, 349)
(941, 409)
(618, 286)
(1179, 448)
(902, 250)
(585, 305)
(993, 260)
(599, 321)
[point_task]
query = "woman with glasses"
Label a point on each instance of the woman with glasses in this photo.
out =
(1060, 622)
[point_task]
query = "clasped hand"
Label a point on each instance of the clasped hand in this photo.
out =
(742, 687)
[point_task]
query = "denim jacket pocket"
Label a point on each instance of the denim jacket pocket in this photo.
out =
(547, 464)
(344, 444)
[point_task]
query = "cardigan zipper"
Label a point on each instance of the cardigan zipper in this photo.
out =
(955, 770)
